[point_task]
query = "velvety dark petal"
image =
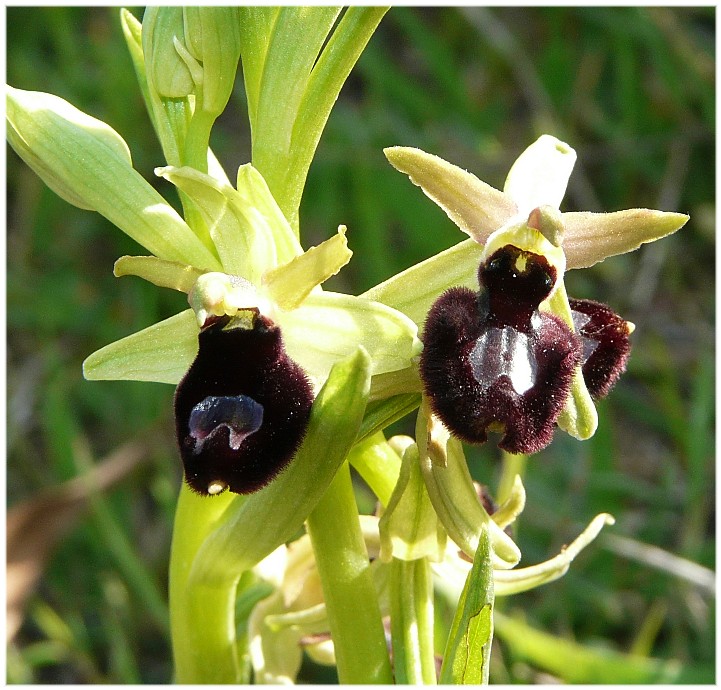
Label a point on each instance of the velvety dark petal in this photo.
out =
(492, 361)
(242, 409)
(606, 346)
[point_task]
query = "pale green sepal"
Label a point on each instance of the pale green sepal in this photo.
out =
(409, 527)
(474, 206)
(212, 37)
(288, 285)
(255, 194)
(330, 325)
(167, 73)
(169, 274)
(414, 290)
(88, 164)
(466, 659)
(453, 495)
(243, 239)
(162, 353)
(523, 579)
(591, 237)
(539, 176)
(513, 506)
(276, 512)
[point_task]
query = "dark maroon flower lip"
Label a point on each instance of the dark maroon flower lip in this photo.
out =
(493, 361)
(242, 409)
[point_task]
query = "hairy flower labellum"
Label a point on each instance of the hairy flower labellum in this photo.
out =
(242, 409)
(493, 361)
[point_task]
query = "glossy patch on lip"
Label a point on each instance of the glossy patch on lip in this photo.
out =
(242, 409)
(493, 361)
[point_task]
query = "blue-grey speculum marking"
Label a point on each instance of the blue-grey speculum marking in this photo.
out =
(240, 414)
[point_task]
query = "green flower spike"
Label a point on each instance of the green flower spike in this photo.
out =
(525, 214)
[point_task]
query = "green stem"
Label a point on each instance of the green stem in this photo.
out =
(202, 617)
(412, 622)
(350, 597)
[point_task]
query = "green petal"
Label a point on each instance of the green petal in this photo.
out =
(88, 164)
(288, 285)
(591, 237)
(169, 274)
(474, 206)
(329, 326)
(414, 290)
(242, 236)
(539, 176)
(256, 195)
(162, 353)
(579, 416)
(409, 527)
(522, 579)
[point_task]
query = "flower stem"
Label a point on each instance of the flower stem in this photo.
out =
(202, 617)
(412, 622)
(350, 597)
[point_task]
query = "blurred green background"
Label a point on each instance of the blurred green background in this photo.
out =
(631, 89)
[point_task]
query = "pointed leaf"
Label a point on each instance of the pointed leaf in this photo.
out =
(328, 326)
(170, 274)
(291, 283)
(256, 28)
(88, 164)
(329, 73)
(466, 660)
(474, 206)
(591, 237)
(162, 353)
(539, 176)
